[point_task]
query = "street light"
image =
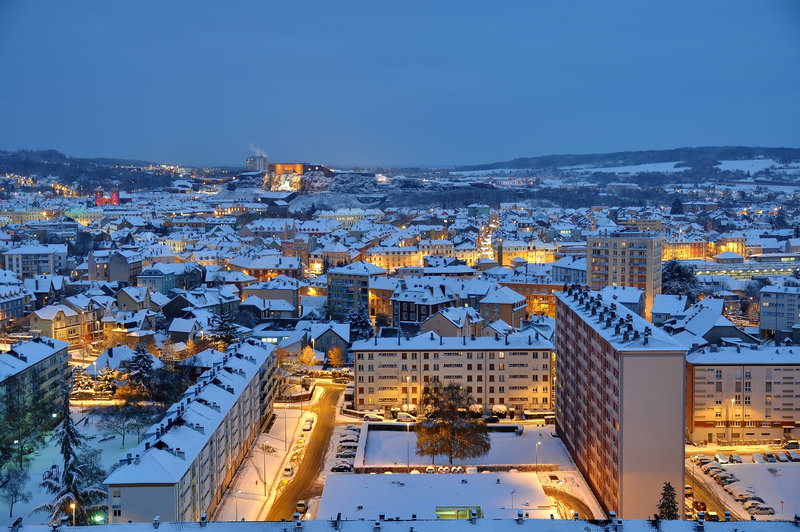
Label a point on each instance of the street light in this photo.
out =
(558, 512)
(264, 447)
(72, 505)
(538, 443)
(237, 504)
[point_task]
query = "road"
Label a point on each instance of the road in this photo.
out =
(568, 502)
(305, 484)
(702, 493)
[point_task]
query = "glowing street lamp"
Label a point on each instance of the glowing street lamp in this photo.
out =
(72, 505)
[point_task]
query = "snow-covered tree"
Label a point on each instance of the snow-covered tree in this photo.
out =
(107, 380)
(81, 477)
(677, 278)
(224, 331)
(668, 505)
(360, 325)
(140, 366)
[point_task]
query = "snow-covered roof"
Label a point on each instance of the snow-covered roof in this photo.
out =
(752, 354)
(433, 342)
(26, 354)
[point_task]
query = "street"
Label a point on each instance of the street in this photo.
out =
(304, 484)
(702, 493)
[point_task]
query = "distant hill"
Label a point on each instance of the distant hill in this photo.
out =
(55, 156)
(702, 157)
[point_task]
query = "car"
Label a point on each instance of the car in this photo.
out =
(769, 457)
(700, 506)
(791, 444)
(302, 507)
(373, 417)
(701, 459)
(288, 471)
(342, 468)
(688, 491)
(457, 469)
(752, 503)
(356, 428)
(735, 458)
(794, 456)
(757, 458)
(346, 454)
(761, 510)
(712, 516)
(405, 417)
(307, 425)
(415, 472)
(711, 467)
(340, 380)
(348, 438)
(443, 469)
(725, 481)
(780, 457)
(491, 419)
(430, 469)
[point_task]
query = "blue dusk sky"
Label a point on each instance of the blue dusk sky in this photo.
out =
(429, 83)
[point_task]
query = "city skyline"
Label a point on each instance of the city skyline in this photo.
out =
(381, 86)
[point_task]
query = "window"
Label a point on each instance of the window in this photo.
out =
(719, 374)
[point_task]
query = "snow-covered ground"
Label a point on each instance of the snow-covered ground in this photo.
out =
(47, 456)
(250, 502)
(393, 447)
(747, 165)
(638, 169)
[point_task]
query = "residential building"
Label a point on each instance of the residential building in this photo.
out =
(454, 321)
(738, 394)
(348, 287)
(15, 302)
(36, 259)
(779, 312)
(114, 265)
(34, 371)
(619, 401)
(570, 270)
(625, 258)
(503, 304)
(513, 371)
(186, 462)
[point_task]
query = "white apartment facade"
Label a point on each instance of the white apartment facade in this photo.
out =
(30, 260)
(779, 312)
(743, 394)
(182, 468)
(514, 371)
(619, 401)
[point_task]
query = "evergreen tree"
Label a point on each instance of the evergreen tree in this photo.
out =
(668, 505)
(140, 367)
(80, 481)
(360, 325)
(677, 278)
(677, 207)
(224, 331)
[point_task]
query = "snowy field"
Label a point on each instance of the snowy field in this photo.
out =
(748, 165)
(390, 448)
(48, 455)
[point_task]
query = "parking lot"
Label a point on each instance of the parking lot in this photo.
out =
(760, 484)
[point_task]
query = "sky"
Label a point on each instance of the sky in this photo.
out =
(414, 83)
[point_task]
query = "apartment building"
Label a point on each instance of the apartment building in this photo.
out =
(348, 287)
(625, 258)
(514, 371)
(15, 301)
(34, 371)
(619, 401)
(114, 265)
(185, 463)
(742, 393)
(36, 259)
(779, 312)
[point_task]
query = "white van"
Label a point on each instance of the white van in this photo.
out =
(372, 417)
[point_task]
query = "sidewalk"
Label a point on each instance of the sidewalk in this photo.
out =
(249, 482)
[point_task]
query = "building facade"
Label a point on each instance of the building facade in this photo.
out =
(32, 260)
(619, 401)
(513, 371)
(625, 258)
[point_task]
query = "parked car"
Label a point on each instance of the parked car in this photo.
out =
(769, 457)
(793, 456)
(712, 516)
(721, 458)
(688, 491)
(457, 469)
(757, 458)
(430, 469)
(342, 468)
(302, 507)
(491, 419)
(373, 417)
(791, 444)
(780, 457)
(761, 510)
(735, 458)
(356, 428)
(405, 417)
(752, 503)
(726, 480)
(710, 467)
(345, 453)
(443, 469)
(701, 459)
(700, 506)
(307, 425)
(288, 471)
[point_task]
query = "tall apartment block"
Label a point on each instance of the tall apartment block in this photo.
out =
(625, 258)
(619, 395)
